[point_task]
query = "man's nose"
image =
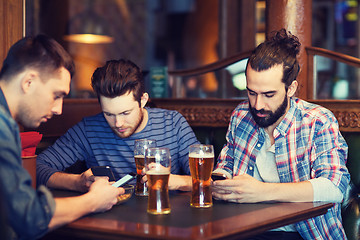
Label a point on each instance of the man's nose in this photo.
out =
(119, 121)
(57, 109)
(259, 103)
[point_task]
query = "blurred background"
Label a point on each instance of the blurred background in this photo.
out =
(162, 35)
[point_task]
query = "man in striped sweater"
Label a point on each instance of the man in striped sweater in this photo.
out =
(107, 139)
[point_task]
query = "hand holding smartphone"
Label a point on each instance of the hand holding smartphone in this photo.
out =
(105, 171)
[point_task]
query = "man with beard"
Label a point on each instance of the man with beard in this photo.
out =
(281, 148)
(107, 139)
(34, 79)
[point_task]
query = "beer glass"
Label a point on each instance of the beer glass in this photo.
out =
(157, 167)
(139, 155)
(201, 161)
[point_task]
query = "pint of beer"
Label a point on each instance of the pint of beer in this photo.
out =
(141, 145)
(201, 161)
(158, 165)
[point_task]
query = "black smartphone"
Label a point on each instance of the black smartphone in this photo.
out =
(103, 171)
(218, 176)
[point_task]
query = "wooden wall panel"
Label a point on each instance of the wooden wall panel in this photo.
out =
(11, 24)
(213, 113)
(237, 27)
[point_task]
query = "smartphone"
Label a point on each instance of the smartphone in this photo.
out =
(127, 178)
(103, 171)
(218, 176)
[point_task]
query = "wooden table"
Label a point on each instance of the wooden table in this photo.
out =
(224, 220)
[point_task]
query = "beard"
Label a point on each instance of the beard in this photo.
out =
(272, 117)
(133, 129)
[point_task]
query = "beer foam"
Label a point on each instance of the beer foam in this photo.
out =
(201, 155)
(154, 171)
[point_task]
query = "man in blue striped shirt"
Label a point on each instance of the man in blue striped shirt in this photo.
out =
(107, 139)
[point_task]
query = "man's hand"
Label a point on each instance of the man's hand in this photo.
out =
(85, 181)
(180, 182)
(176, 182)
(100, 197)
(241, 189)
(104, 194)
(70, 181)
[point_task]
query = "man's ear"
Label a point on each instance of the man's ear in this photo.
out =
(28, 80)
(292, 88)
(144, 99)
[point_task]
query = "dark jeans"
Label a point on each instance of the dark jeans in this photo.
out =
(277, 235)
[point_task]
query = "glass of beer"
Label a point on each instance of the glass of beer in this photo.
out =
(158, 166)
(201, 161)
(139, 155)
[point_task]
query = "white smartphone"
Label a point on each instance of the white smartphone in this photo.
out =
(125, 179)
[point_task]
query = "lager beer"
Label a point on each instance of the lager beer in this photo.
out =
(201, 166)
(140, 147)
(158, 202)
(157, 166)
(140, 189)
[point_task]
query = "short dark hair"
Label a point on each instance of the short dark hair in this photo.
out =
(39, 52)
(118, 77)
(280, 49)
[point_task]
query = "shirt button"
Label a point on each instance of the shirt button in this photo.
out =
(251, 168)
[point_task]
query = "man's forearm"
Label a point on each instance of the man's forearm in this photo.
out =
(70, 209)
(100, 197)
(289, 192)
(61, 180)
(246, 189)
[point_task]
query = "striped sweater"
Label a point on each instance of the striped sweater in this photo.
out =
(94, 141)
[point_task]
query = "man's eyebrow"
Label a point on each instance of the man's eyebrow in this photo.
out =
(117, 113)
(268, 92)
(249, 89)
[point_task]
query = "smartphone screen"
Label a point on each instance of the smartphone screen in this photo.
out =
(102, 171)
(127, 178)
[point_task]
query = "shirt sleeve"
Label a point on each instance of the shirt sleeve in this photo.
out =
(28, 211)
(329, 155)
(66, 150)
(325, 190)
